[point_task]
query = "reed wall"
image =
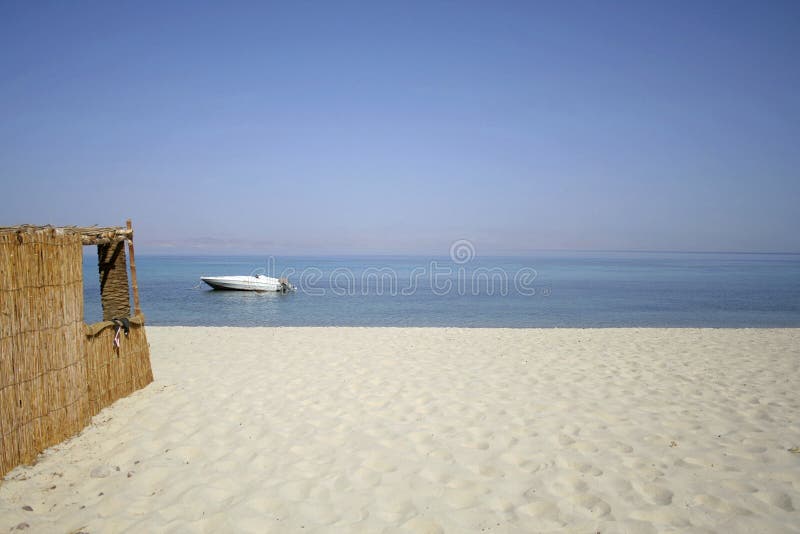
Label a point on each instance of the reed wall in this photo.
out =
(55, 371)
(43, 398)
(111, 372)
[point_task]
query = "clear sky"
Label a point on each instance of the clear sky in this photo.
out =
(398, 127)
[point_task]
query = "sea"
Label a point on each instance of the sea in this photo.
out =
(548, 289)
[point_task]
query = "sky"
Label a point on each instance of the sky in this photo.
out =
(399, 127)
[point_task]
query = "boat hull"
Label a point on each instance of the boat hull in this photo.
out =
(246, 283)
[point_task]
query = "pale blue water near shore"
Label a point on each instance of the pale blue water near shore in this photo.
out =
(547, 290)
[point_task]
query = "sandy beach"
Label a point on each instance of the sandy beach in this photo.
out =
(435, 430)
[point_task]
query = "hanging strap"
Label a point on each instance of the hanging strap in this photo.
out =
(122, 324)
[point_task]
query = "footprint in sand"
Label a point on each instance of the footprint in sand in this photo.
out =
(393, 508)
(264, 504)
(532, 494)
(504, 441)
(564, 440)
(435, 474)
(464, 494)
(586, 447)
(207, 494)
(424, 449)
(588, 506)
(479, 445)
(318, 513)
(622, 447)
(380, 463)
(532, 467)
(655, 494)
(582, 467)
(567, 484)
(420, 437)
(309, 470)
(777, 499)
(487, 470)
(364, 478)
(718, 505)
(500, 505)
(738, 486)
(297, 490)
(661, 515)
(694, 463)
(546, 514)
(421, 525)
(441, 454)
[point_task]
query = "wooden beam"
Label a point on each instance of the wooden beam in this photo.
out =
(103, 236)
(90, 235)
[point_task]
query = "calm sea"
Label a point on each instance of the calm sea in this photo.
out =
(547, 290)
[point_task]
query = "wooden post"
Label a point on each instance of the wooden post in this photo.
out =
(136, 308)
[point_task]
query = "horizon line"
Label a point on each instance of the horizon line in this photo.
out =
(508, 255)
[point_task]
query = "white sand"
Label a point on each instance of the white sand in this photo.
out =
(431, 430)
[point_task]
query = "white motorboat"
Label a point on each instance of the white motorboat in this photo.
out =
(259, 282)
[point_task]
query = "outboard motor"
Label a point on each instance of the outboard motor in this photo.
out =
(286, 286)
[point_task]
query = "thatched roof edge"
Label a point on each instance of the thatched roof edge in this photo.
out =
(90, 235)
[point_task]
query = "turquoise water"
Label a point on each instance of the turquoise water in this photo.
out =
(547, 290)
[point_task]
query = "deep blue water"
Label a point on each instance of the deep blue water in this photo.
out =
(550, 290)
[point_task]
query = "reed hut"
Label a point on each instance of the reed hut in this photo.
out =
(56, 371)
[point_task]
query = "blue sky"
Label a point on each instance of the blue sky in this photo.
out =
(399, 127)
